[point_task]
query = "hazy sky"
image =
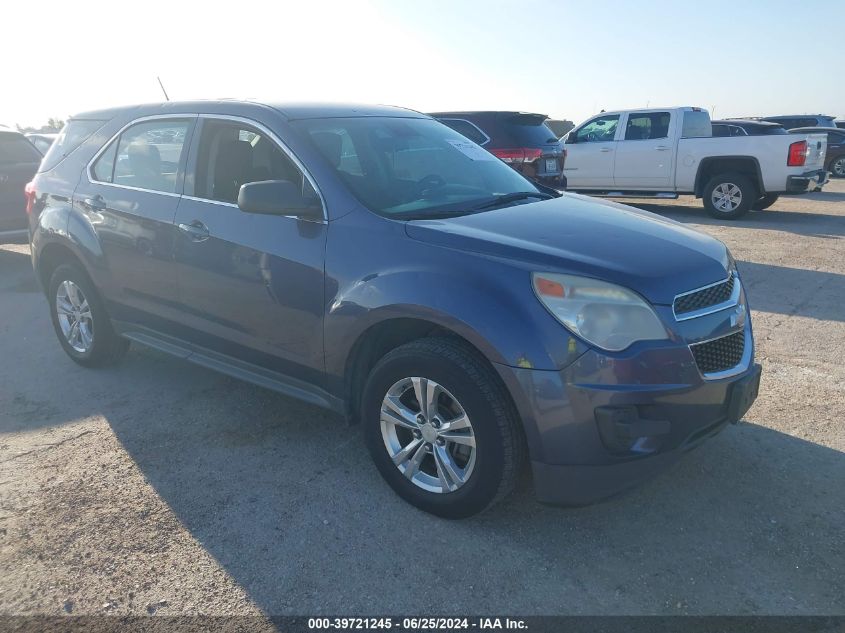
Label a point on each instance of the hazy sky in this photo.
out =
(567, 59)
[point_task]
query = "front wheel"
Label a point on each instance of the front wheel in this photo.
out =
(80, 320)
(441, 428)
(729, 196)
(837, 167)
(766, 201)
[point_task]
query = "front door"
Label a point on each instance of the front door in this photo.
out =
(250, 286)
(590, 151)
(129, 196)
(644, 154)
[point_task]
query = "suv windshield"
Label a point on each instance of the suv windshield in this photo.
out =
(414, 167)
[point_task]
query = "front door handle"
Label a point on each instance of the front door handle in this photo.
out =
(606, 149)
(196, 230)
(662, 148)
(95, 203)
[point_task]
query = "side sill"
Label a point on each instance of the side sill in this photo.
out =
(233, 367)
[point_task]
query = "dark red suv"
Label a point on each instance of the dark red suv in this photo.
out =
(521, 139)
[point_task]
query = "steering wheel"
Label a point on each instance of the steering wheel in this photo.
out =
(427, 183)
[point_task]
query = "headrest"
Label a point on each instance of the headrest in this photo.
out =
(330, 145)
(145, 152)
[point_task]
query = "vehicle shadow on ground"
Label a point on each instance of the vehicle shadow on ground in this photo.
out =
(285, 497)
(809, 224)
(794, 291)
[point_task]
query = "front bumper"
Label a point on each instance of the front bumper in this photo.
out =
(808, 181)
(606, 423)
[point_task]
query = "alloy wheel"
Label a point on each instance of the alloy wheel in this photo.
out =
(428, 435)
(75, 318)
(726, 197)
(838, 167)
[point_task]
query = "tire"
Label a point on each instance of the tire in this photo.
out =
(72, 294)
(736, 190)
(766, 201)
(466, 384)
(837, 167)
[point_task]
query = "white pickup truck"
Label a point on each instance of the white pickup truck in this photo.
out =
(664, 152)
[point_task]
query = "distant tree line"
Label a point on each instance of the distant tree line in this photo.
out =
(53, 125)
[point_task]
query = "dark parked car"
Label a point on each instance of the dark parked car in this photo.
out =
(521, 139)
(746, 127)
(801, 120)
(834, 158)
(42, 140)
(18, 161)
(372, 261)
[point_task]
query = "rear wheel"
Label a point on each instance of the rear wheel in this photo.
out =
(80, 320)
(766, 201)
(729, 196)
(441, 428)
(837, 167)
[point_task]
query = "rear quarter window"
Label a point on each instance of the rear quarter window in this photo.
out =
(73, 134)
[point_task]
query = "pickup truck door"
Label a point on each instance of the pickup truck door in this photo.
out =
(590, 151)
(644, 153)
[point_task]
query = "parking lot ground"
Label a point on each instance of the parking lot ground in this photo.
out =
(160, 487)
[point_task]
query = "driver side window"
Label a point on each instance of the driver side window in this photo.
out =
(598, 130)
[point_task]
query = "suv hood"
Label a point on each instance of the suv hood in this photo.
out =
(647, 253)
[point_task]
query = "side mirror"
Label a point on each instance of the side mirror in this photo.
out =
(278, 197)
(570, 138)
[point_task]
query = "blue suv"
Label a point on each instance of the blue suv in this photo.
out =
(375, 262)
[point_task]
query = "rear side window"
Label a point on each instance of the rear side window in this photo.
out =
(644, 126)
(73, 134)
(529, 130)
(468, 129)
(696, 124)
(14, 148)
(146, 156)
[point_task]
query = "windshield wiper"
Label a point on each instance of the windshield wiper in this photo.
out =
(507, 198)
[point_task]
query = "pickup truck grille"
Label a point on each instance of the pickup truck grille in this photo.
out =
(704, 298)
(720, 354)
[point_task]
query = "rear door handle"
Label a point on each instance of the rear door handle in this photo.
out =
(606, 149)
(196, 230)
(97, 203)
(661, 148)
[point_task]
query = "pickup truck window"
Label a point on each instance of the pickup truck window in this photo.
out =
(598, 130)
(696, 125)
(644, 126)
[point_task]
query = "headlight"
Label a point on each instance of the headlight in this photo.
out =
(606, 315)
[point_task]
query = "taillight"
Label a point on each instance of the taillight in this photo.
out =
(29, 194)
(798, 152)
(518, 155)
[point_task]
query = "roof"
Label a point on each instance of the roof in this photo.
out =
(290, 110)
(477, 112)
(746, 122)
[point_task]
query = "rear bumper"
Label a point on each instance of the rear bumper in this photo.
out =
(605, 424)
(807, 181)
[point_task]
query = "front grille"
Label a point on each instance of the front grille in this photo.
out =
(720, 354)
(704, 298)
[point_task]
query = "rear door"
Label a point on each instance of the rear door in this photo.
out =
(591, 149)
(250, 286)
(129, 195)
(19, 161)
(644, 155)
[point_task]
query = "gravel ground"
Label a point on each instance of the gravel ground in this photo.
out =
(161, 487)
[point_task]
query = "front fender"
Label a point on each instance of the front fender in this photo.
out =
(485, 301)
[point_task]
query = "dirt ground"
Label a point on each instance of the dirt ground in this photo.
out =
(161, 487)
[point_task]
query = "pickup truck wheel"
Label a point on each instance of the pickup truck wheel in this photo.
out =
(441, 428)
(766, 201)
(838, 167)
(80, 320)
(729, 196)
